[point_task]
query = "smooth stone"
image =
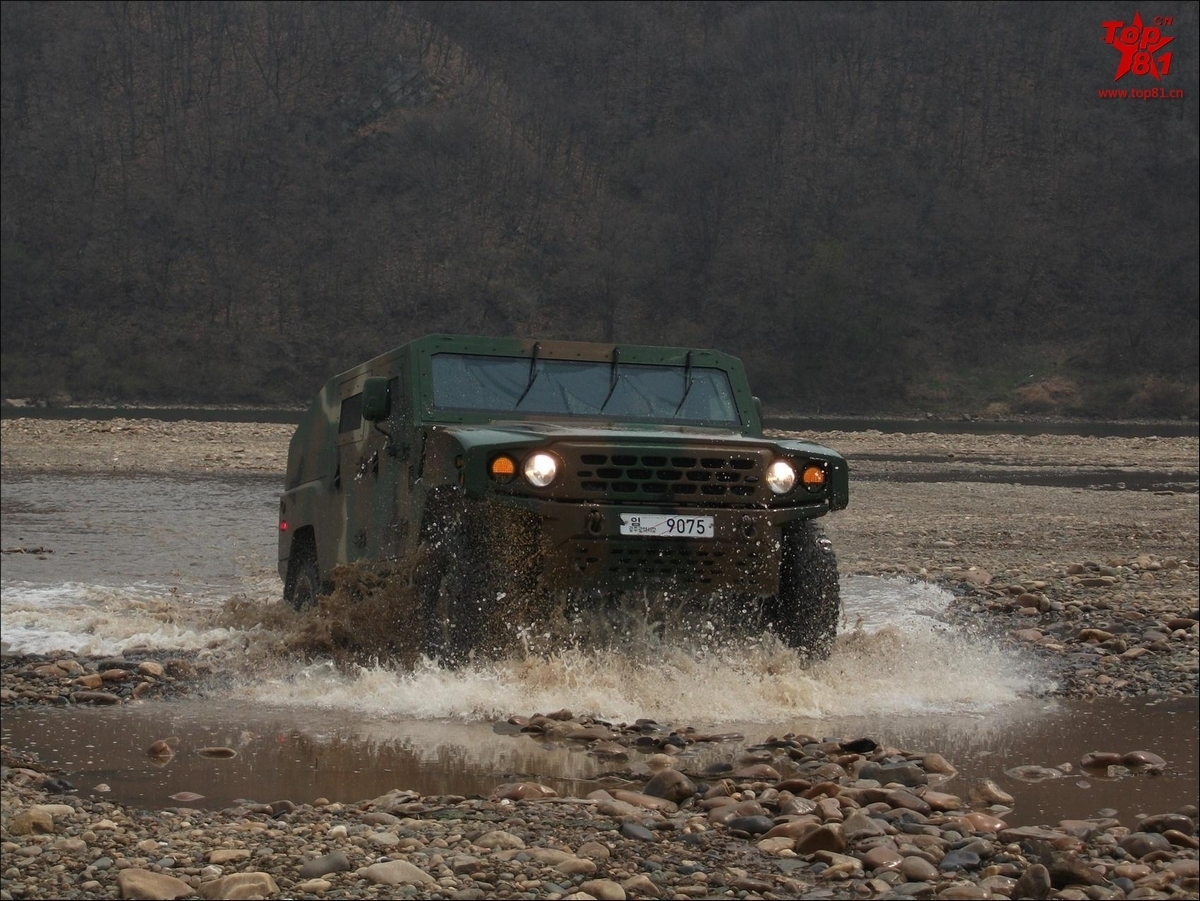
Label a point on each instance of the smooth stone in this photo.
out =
(759, 772)
(603, 890)
(550, 857)
(642, 886)
(860, 825)
(1139, 844)
(989, 792)
(334, 862)
(936, 763)
(941, 801)
(777, 844)
(648, 802)
(1142, 758)
(523, 791)
(670, 784)
(908, 801)
(395, 872)
(959, 860)
(1164, 822)
(384, 839)
(1067, 869)
(918, 869)
(593, 851)
(882, 857)
(143, 885)
(101, 698)
(984, 822)
(238, 886)
(576, 866)
(828, 838)
(756, 825)
(150, 668)
(222, 856)
(637, 831)
(1099, 760)
(499, 840)
(313, 886)
(1033, 884)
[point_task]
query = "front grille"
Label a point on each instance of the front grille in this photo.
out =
(698, 478)
(697, 564)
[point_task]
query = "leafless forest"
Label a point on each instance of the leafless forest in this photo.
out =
(879, 206)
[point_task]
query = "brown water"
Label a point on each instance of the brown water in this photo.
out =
(303, 754)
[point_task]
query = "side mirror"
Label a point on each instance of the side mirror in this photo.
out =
(757, 408)
(375, 399)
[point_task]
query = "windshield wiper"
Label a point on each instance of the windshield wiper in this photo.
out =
(613, 378)
(687, 379)
(533, 374)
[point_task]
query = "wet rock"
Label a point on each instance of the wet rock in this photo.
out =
(1099, 760)
(882, 857)
(144, 885)
(523, 791)
(918, 869)
(1068, 869)
(1142, 758)
(829, 837)
(753, 825)
(100, 698)
(670, 784)
(1140, 844)
(959, 860)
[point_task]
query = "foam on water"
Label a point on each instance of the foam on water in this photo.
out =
(898, 656)
(104, 620)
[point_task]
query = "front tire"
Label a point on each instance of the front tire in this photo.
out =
(804, 614)
(452, 588)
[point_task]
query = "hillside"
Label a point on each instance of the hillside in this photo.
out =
(880, 207)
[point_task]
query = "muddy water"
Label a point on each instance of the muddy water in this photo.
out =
(153, 562)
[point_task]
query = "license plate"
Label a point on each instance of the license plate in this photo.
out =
(662, 525)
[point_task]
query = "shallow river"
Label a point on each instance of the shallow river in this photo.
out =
(156, 562)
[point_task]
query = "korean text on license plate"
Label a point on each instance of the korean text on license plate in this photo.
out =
(666, 525)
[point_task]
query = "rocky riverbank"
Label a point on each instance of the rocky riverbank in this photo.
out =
(1101, 584)
(796, 817)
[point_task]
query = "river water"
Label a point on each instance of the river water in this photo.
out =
(189, 563)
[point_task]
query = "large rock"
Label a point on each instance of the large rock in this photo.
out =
(672, 785)
(146, 886)
(30, 821)
(335, 862)
(239, 887)
(395, 872)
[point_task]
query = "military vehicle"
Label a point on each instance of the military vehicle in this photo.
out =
(512, 469)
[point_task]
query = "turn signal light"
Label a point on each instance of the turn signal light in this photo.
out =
(813, 476)
(503, 468)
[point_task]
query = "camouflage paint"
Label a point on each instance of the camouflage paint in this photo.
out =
(361, 492)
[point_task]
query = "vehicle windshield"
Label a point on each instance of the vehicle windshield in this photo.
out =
(595, 389)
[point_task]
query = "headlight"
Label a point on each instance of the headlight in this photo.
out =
(781, 476)
(540, 470)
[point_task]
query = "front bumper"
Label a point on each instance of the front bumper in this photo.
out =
(581, 546)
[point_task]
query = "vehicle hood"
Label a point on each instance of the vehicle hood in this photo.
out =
(503, 435)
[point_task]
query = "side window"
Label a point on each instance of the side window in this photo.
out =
(351, 417)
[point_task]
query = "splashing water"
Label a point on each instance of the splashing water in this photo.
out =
(900, 657)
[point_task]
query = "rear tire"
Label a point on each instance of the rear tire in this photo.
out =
(303, 582)
(804, 614)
